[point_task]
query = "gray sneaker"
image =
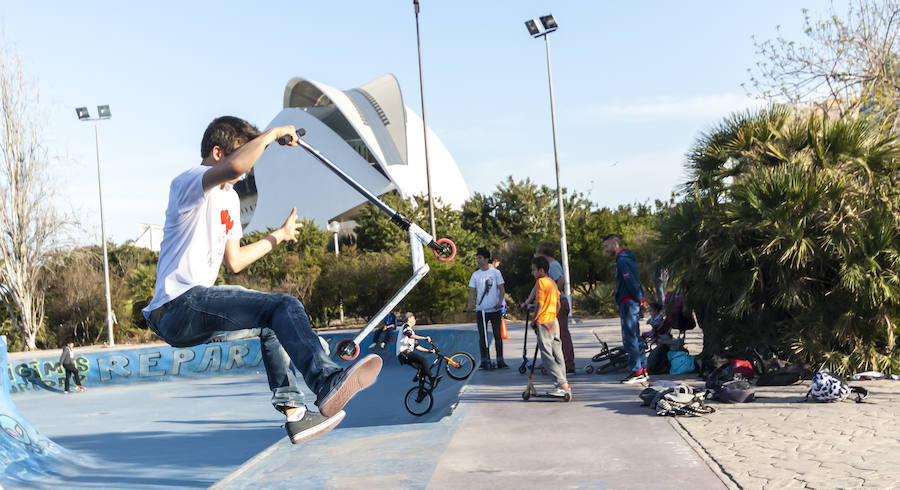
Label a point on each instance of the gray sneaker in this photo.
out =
(358, 377)
(313, 424)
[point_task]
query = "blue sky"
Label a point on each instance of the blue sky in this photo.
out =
(635, 83)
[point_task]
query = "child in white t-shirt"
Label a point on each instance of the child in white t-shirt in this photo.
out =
(407, 347)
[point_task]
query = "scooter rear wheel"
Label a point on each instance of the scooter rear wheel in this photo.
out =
(347, 349)
(523, 369)
(452, 253)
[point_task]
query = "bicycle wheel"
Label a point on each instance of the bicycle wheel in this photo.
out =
(465, 364)
(418, 401)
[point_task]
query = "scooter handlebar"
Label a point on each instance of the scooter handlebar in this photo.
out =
(286, 139)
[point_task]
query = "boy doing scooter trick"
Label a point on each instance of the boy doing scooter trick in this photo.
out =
(203, 228)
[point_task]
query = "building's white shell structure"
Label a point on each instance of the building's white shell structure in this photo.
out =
(369, 133)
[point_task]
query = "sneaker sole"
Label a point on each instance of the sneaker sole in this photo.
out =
(318, 430)
(359, 377)
(634, 381)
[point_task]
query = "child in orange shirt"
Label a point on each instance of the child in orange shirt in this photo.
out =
(547, 328)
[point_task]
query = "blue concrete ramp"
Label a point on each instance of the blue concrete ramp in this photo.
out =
(27, 456)
(377, 423)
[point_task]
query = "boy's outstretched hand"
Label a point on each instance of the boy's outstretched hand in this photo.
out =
(289, 229)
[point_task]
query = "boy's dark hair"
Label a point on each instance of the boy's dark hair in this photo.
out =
(613, 236)
(546, 249)
(484, 252)
(228, 133)
(655, 306)
(541, 263)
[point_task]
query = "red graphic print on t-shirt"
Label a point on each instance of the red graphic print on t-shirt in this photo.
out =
(226, 220)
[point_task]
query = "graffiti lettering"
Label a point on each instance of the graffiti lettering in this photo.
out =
(146, 363)
(211, 360)
(112, 364)
(180, 357)
(236, 355)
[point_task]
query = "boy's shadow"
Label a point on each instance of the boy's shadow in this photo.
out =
(32, 376)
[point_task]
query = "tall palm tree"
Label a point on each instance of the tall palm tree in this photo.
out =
(787, 233)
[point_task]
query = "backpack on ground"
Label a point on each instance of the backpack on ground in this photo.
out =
(680, 362)
(658, 360)
(827, 387)
(763, 359)
(786, 375)
(738, 390)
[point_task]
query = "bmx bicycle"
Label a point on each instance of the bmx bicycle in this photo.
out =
(459, 366)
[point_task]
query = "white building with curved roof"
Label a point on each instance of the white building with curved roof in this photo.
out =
(369, 133)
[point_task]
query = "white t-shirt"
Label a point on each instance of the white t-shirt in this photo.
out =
(197, 226)
(487, 289)
(405, 343)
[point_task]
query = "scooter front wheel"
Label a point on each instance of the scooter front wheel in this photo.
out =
(523, 369)
(445, 257)
(347, 349)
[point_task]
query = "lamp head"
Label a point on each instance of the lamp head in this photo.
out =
(532, 27)
(103, 112)
(549, 23)
(83, 113)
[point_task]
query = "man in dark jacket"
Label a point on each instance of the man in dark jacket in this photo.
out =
(630, 300)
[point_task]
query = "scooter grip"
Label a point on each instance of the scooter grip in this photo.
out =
(284, 140)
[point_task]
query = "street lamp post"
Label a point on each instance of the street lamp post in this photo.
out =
(335, 228)
(537, 29)
(424, 124)
(84, 115)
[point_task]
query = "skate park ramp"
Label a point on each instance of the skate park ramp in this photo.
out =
(191, 431)
(377, 426)
(27, 456)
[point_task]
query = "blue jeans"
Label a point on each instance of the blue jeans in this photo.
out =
(226, 313)
(630, 313)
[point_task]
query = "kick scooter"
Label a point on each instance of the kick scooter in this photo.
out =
(524, 367)
(530, 390)
(443, 249)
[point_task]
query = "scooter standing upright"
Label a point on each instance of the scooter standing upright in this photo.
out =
(530, 390)
(524, 367)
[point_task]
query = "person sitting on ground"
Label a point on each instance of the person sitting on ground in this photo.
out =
(407, 347)
(656, 320)
(379, 340)
(203, 229)
(546, 325)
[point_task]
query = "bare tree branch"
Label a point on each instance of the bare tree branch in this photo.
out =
(28, 221)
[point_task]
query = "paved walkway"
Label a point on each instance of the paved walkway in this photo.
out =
(780, 440)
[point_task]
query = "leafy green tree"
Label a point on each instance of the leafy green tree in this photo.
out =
(788, 234)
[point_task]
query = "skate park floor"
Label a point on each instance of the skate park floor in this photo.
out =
(222, 431)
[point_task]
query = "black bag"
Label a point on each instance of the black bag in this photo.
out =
(763, 359)
(786, 375)
(658, 360)
(737, 390)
